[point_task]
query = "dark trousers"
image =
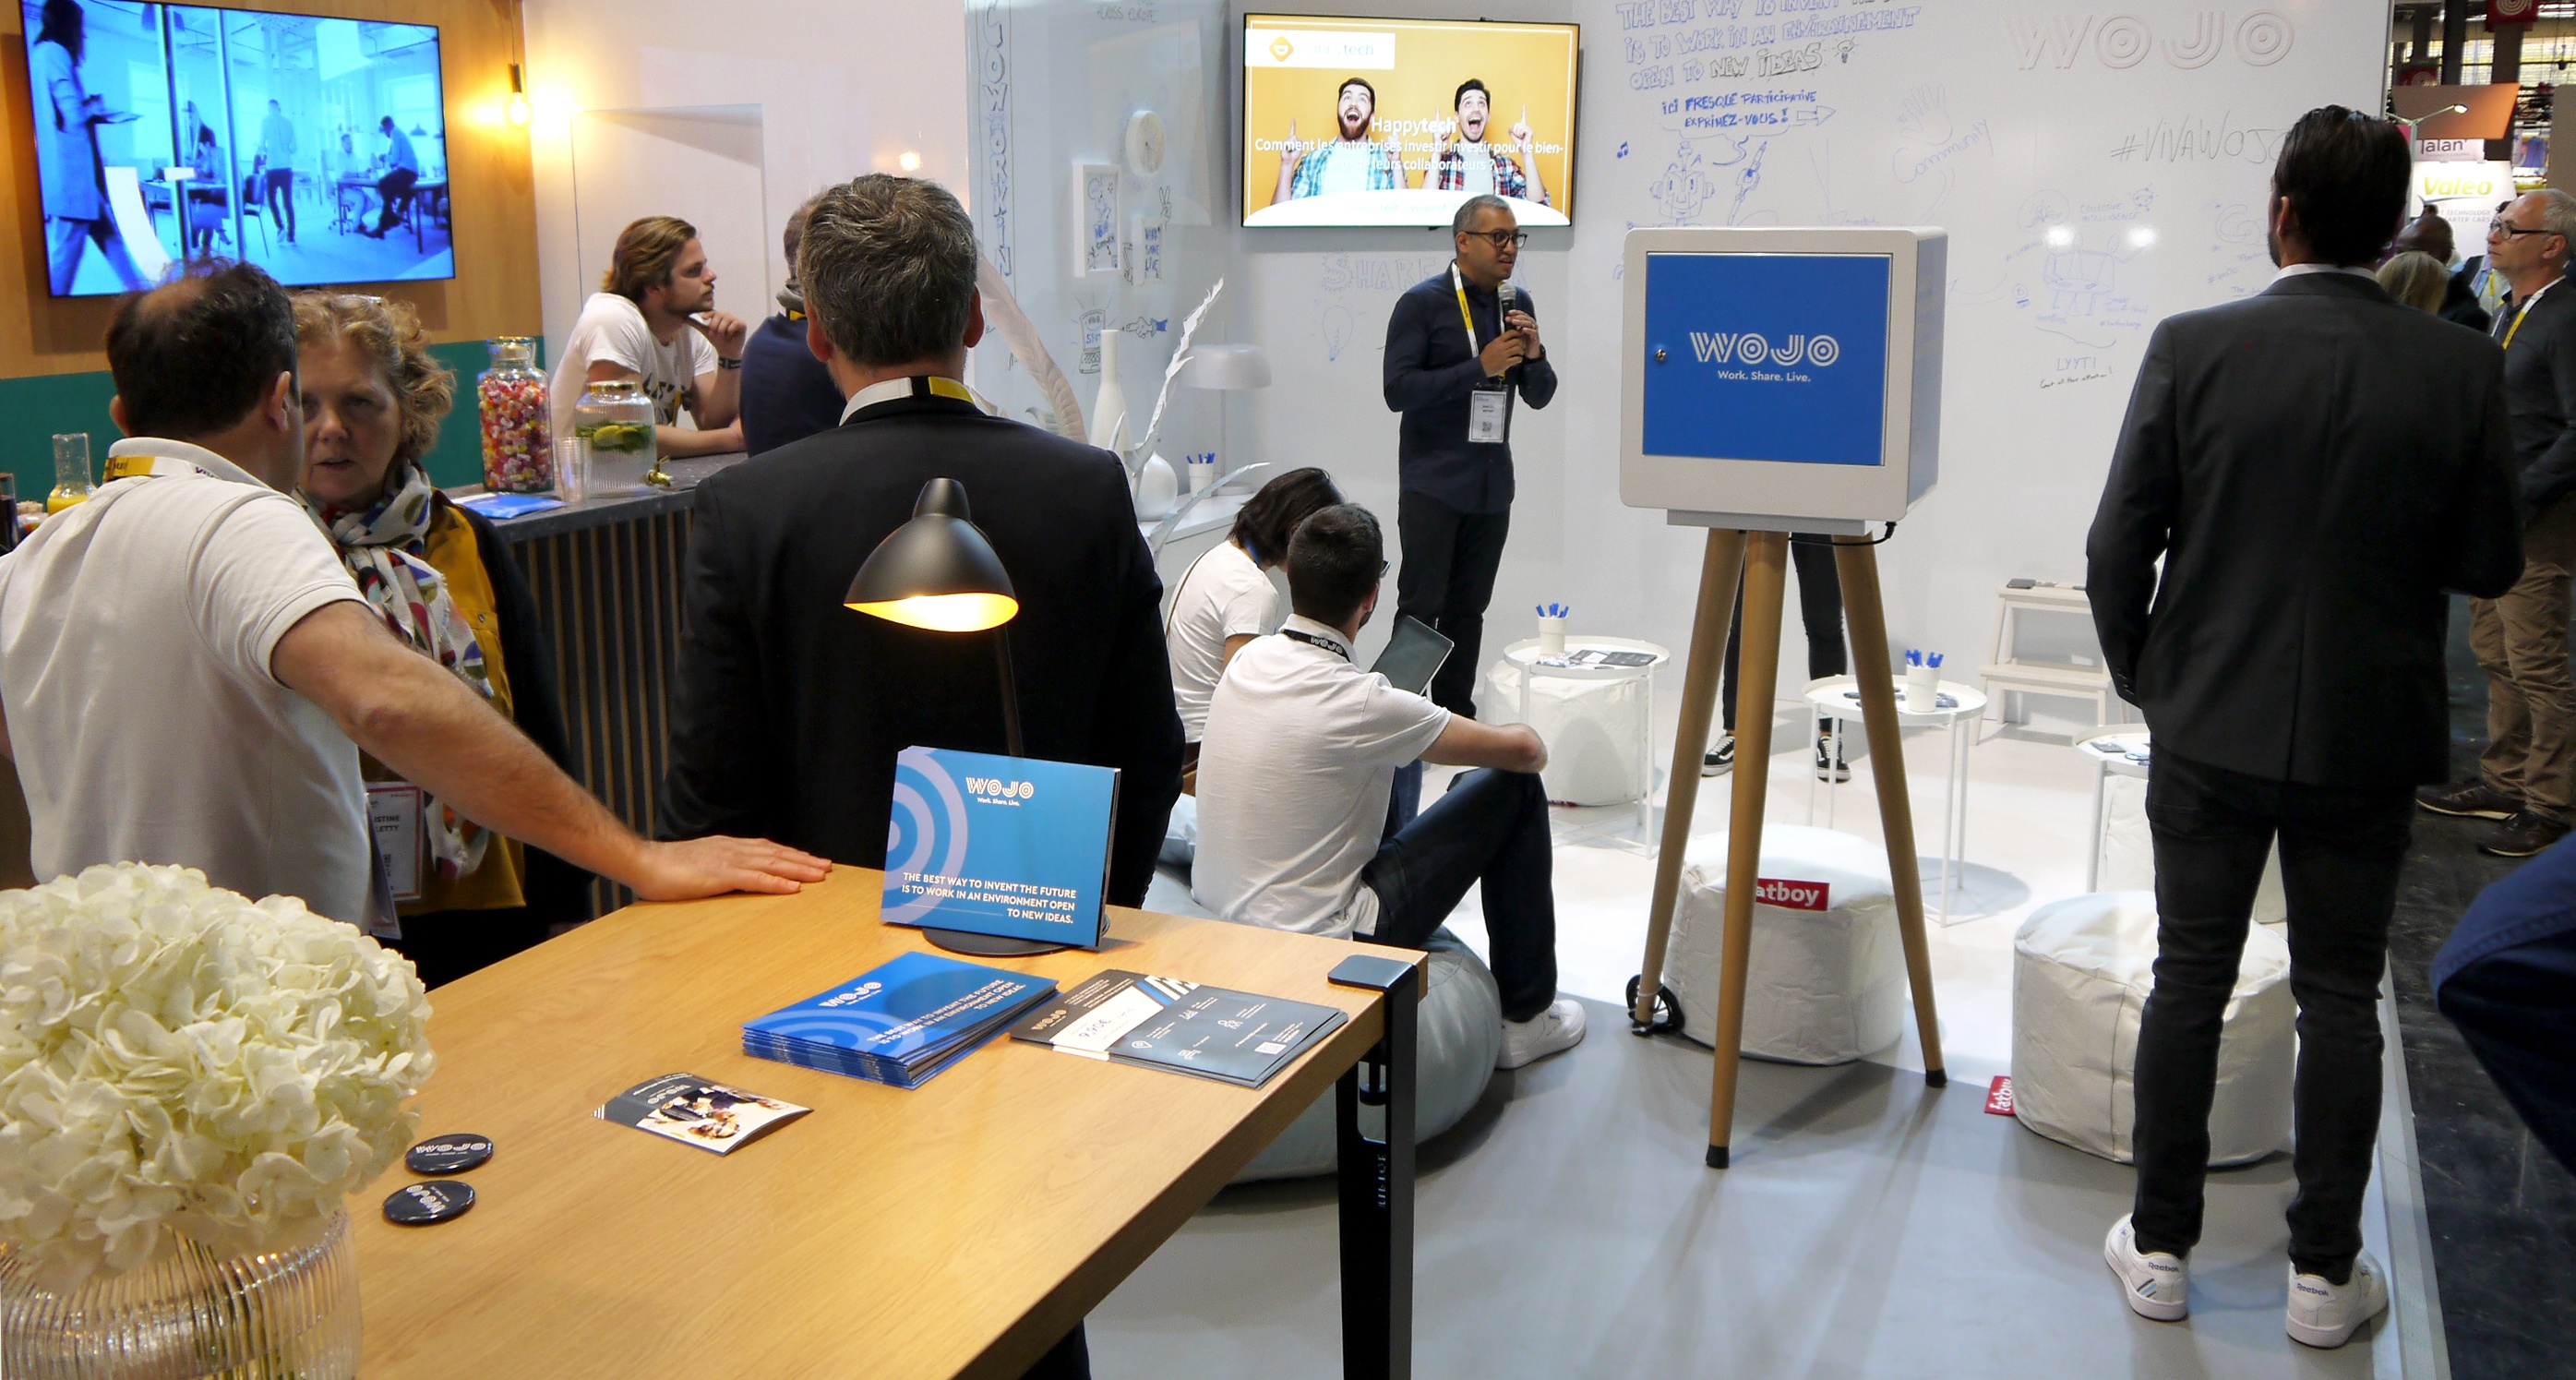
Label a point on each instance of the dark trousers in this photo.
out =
(1449, 562)
(446, 945)
(280, 184)
(1820, 607)
(395, 188)
(2341, 850)
(2507, 979)
(1070, 1360)
(1489, 829)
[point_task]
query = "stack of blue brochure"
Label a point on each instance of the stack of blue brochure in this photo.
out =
(899, 1023)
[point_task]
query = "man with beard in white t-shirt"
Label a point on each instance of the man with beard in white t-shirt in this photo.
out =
(645, 326)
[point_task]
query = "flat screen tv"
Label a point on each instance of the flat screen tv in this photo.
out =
(315, 148)
(1395, 121)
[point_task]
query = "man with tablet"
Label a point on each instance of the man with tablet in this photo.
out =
(1296, 769)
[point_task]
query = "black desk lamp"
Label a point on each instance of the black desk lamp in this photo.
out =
(938, 572)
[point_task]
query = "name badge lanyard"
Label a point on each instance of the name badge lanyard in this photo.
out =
(2521, 311)
(1489, 407)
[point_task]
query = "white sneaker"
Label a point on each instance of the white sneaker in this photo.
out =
(2326, 1315)
(2154, 1283)
(1559, 1027)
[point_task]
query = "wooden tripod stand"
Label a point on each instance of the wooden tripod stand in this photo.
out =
(1762, 560)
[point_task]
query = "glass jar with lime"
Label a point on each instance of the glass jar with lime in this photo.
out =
(615, 420)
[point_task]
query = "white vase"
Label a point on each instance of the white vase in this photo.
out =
(1157, 488)
(1109, 409)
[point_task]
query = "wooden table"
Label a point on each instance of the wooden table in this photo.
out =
(959, 1229)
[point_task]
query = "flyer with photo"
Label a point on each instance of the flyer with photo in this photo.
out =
(709, 1115)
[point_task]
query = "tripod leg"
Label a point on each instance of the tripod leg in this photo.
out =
(1766, 575)
(1857, 562)
(1719, 567)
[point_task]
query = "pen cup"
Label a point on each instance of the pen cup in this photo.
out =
(1202, 470)
(1922, 688)
(1551, 636)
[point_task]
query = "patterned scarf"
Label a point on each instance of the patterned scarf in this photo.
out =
(386, 547)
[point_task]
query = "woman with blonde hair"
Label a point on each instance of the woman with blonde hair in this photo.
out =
(2416, 279)
(444, 582)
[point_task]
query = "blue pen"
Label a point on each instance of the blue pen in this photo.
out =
(1936, 661)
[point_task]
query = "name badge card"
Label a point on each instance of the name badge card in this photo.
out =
(999, 845)
(1489, 416)
(395, 814)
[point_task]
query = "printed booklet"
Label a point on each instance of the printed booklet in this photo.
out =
(710, 1116)
(900, 1022)
(1165, 1023)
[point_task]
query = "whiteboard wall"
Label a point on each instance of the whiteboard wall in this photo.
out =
(2097, 169)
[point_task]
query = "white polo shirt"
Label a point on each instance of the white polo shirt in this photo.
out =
(1222, 595)
(1300, 755)
(135, 636)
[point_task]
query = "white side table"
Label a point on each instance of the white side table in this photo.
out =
(2114, 750)
(1524, 659)
(1838, 698)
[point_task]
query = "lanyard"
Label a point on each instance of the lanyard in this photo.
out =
(913, 386)
(1463, 317)
(2524, 309)
(1313, 641)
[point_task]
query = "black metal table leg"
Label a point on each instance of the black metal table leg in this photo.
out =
(1376, 1179)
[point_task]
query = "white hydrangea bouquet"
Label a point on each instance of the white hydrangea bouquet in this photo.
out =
(179, 1061)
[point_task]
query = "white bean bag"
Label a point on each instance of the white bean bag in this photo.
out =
(1826, 980)
(1594, 746)
(1460, 1030)
(2081, 972)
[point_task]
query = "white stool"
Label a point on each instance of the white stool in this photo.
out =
(1825, 982)
(2081, 972)
(1598, 721)
(2009, 673)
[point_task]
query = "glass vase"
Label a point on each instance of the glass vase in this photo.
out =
(192, 1314)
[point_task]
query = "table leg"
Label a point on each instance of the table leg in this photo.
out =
(2093, 853)
(1816, 725)
(1376, 1182)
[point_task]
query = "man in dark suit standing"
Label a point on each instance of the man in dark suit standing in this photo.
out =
(2527, 777)
(2316, 464)
(790, 707)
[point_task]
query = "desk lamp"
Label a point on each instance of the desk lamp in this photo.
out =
(938, 572)
(1227, 369)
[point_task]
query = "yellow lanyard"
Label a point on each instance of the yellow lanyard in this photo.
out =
(1464, 318)
(2523, 310)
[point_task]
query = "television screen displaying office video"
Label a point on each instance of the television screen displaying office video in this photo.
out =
(315, 148)
(1395, 121)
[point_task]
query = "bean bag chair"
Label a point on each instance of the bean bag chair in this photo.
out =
(1826, 980)
(1460, 1030)
(2081, 971)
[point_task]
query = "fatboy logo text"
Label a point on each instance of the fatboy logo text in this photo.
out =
(1788, 895)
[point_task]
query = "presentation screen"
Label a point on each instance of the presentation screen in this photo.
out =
(313, 147)
(1768, 357)
(1395, 121)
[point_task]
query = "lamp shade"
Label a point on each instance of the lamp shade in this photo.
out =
(936, 571)
(1226, 366)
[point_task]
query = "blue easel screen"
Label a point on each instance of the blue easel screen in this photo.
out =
(1766, 356)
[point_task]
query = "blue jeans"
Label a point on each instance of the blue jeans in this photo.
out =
(2507, 979)
(1489, 830)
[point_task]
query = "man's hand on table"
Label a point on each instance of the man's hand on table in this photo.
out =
(713, 866)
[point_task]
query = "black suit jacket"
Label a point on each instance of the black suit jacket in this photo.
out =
(790, 707)
(1431, 369)
(2540, 394)
(2316, 464)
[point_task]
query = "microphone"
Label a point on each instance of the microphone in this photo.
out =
(1504, 292)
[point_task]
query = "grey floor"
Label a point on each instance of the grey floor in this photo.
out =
(1870, 1227)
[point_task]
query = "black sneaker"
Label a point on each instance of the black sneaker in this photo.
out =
(2476, 800)
(2523, 835)
(1829, 754)
(1721, 758)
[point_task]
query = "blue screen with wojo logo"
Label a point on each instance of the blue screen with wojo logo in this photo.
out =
(1766, 356)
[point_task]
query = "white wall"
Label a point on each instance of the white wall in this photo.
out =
(843, 87)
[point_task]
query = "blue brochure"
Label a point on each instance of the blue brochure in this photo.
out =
(503, 507)
(999, 845)
(900, 1022)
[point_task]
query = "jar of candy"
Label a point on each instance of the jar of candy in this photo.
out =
(615, 421)
(518, 457)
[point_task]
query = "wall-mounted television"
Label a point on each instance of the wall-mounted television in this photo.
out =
(313, 147)
(1395, 121)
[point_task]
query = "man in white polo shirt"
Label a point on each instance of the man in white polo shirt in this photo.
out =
(184, 662)
(1299, 759)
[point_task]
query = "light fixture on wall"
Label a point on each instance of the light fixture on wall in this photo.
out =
(517, 112)
(908, 161)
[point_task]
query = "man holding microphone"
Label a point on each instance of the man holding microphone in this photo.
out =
(1459, 345)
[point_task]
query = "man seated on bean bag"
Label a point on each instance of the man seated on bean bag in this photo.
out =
(1299, 758)
(2507, 979)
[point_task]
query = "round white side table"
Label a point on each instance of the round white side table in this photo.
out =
(2114, 750)
(1524, 658)
(1838, 698)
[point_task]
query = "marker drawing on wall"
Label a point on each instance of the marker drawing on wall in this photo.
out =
(1338, 327)
(992, 51)
(1095, 222)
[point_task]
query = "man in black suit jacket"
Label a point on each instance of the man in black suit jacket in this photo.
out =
(790, 707)
(2316, 465)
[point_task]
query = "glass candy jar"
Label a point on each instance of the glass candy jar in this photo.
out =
(518, 456)
(615, 421)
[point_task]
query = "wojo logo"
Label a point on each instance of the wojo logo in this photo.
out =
(999, 790)
(1788, 895)
(1750, 347)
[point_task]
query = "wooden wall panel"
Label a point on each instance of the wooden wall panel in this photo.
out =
(493, 193)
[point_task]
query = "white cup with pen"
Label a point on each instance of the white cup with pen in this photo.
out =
(1922, 681)
(1551, 629)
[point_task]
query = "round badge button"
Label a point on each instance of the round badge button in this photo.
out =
(418, 1205)
(449, 1154)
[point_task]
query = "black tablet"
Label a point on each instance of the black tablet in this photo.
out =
(1413, 656)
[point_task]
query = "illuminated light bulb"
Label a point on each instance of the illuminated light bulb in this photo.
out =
(908, 161)
(518, 112)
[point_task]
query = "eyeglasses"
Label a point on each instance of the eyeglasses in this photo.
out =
(2499, 229)
(1502, 239)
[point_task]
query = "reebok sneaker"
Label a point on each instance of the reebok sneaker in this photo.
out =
(2326, 1315)
(1559, 1027)
(2155, 1283)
